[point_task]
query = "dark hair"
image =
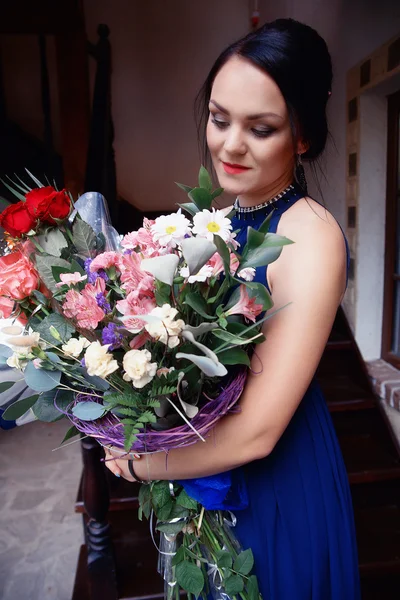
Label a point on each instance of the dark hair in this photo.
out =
(298, 60)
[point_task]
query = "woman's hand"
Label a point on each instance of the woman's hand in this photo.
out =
(118, 464)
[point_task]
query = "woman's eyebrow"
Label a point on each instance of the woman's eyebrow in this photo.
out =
(250, 117)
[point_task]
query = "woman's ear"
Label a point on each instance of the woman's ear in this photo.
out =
(301, 147)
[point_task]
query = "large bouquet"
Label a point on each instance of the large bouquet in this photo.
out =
(143, 342)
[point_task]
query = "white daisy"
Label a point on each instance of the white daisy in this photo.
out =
(209, 223)
(169, 230)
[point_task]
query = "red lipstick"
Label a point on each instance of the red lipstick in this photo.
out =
(233, 169)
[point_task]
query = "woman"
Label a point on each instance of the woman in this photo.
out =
(265, 99)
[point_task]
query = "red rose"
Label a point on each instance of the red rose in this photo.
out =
(17, 220)
(46, 204)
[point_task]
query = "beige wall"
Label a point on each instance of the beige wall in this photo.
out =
(162, 52)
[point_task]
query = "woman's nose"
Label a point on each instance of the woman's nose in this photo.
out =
(234, 142)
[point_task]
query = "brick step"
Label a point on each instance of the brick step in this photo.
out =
(369, 451)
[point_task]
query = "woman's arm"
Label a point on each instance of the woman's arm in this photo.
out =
(311, 276)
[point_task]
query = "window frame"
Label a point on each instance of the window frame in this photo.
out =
(392, 190)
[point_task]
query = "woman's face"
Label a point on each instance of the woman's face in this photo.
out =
(249, 127)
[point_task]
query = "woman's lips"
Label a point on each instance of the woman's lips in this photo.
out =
(234, 169)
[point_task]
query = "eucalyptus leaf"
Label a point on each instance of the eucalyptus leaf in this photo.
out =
(41, 380)
(49, 405)
(44, 266)
(52, 242)
(19, 408)
(84, 238)
(201, 197)
(88, 411)
(196, 252)
(6, 385)
(5, 351)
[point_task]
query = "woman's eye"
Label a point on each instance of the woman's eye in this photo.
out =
(262, 132)
(219, 124)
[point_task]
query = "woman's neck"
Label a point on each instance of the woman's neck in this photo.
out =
(266, 193)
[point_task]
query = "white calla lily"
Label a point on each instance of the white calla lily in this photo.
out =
(196, 252)
(162, 268)
(205, 364)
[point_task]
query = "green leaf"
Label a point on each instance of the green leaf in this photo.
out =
(129, 437)
(205, 179)
(162, 293)
(264, 228)
(224, 559)
(14, 191)
(88, 411)
(170, 528)
(217, 192)
(252, 588)
(199, 305)
(64, 328)
(41, 297)
(234, 585)
(160, 493)
(6, 385)
(52, 242)
(189, 207)
(45, 409)
(244, 562)
(56, 272)
(44, 265)
(234, 356)
(145, 499)
(196, 252)
(179, 556)
(190, 577)
(76, 267)
(254, 238)
(35, 179)
(84, 238)
(231, 338)
(223, 251)
(185, 188)
(19, 408)
(265, 253)
(72, 432)
(186, 501)
(201, 197)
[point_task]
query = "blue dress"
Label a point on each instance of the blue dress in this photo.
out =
(298, 516)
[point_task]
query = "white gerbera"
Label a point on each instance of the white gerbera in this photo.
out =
(208, 223)
(169, 230)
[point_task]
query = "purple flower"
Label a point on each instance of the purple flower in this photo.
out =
(91, 276)
(83, 364)
(111, 335)
(102, 302)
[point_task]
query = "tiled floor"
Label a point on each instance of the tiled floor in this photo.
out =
(40, 534)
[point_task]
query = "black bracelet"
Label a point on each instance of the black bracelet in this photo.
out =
(132, 472)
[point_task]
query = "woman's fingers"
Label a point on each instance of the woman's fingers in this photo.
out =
(111, 464)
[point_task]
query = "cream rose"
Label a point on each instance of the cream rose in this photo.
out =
(138, 368)
(165, 330)
(75, 346)
(98, 361)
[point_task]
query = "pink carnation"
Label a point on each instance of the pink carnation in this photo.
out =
(83, 308)
(105, 261)
(132, 306)
(93, 289)
(133, 279)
